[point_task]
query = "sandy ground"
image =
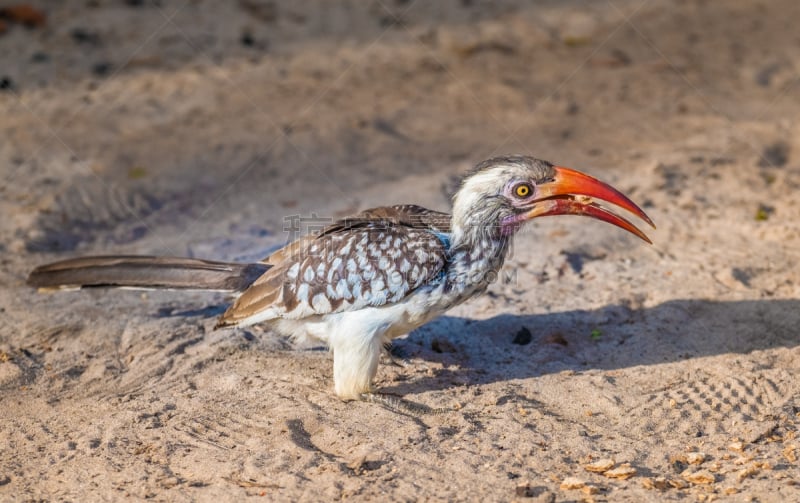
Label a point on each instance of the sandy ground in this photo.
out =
(196, 127)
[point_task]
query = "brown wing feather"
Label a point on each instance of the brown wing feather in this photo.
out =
(407, 215)
(376, 257)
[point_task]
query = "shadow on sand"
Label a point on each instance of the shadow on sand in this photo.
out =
(613, 337)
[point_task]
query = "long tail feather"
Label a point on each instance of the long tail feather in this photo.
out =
(146, 272)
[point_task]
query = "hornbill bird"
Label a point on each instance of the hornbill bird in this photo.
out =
(369, 278)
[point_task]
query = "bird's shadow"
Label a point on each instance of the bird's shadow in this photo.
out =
(508, 347)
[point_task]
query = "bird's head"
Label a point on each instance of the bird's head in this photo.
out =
(501, 194)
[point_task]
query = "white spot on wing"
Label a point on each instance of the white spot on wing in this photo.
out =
(342, 290)
(331, 291)
(368, 273)
(395, 281)
(346, 248)
(353, 279)
(292, 272)
(302, 292)
(378, 297)
(320, 303)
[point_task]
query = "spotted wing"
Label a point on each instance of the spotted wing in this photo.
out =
(404, 215)
(373, 263)
(407, 215)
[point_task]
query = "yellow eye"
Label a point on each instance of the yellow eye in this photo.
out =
(523, 190)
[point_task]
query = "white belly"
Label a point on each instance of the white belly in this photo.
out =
(386, 322)
(356, 337)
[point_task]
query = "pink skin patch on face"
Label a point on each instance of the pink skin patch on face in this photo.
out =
(511, 224)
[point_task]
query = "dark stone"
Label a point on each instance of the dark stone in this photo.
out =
(102, 69)
(442, 346)
(539, 492)
(576, 260)
(85, 37)
(40, 57)
(774, 156)
(675, 180)
(247, 39)
(621, 57)
(743, 276)
(765, 75)
(523, 337)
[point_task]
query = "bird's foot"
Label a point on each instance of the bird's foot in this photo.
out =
(401, 406)
(396, 355)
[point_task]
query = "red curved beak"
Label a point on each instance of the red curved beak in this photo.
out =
(571, 193)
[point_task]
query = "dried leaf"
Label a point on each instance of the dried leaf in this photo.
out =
(660, 483)
(600, 466)
(572, 483)
(789, 454)
(623, 471)
(747, 472)
(737, 446)
(698, 477)
(589, 489)
(695, 458)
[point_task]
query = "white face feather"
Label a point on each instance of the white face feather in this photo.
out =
(472, 196)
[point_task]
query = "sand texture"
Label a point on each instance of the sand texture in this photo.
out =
(598, 369)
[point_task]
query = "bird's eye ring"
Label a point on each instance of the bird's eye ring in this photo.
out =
(523, 190)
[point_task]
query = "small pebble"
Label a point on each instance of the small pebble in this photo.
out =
(600, 466)
(102, 68)
(695, 458)
(247, 39)
(85, 37)
(571, 483)
(523, 337)
(698, 477)
(623, 471)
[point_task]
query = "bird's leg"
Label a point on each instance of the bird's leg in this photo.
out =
(355, 363)
(401, 406)
(396, 355)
